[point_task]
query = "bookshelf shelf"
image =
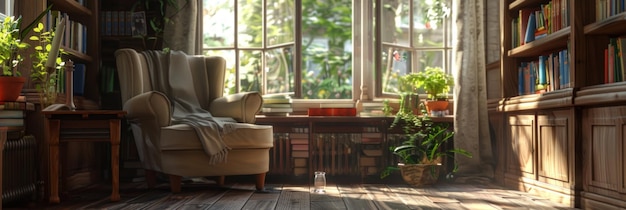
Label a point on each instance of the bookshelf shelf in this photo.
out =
(78, 56)
(71, 7)
(519, 4)
(554, 41)
(613, 25)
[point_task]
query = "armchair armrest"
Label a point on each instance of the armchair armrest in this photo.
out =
(149, 106)
(242, 107)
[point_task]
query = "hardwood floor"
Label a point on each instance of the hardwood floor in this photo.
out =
(299, 196)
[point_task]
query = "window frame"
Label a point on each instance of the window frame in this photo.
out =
(9, 8)
(365, 62)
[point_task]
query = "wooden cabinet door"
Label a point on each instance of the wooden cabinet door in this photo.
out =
(520, 151)
(603, 140)
(555, 147)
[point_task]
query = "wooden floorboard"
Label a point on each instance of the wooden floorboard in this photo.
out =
(300, 196)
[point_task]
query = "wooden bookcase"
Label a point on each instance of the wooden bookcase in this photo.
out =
(566, 144)
(85, 14)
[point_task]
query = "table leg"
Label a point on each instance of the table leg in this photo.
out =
(114, 132)
(53, 128)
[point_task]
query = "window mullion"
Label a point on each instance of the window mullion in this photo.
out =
(298, 49)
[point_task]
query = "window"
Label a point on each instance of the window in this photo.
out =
(414, 35)
(6, 8)
(308, 48)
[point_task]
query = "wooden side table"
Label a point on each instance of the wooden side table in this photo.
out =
(82, 126)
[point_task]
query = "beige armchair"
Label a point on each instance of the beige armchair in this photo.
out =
(175, 148)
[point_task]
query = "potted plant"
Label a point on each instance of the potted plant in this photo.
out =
(436, 83)
(11, 81)
(423, 149)
(11, 42)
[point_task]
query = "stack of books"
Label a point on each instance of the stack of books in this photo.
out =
(277, 105)
(372, 109)
(12, 113)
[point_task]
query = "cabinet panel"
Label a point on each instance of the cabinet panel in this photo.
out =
(554, 148)
(603, 130)
(520, 154)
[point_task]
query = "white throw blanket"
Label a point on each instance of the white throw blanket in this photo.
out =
(170, 74)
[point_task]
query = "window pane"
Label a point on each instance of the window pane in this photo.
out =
(327, 49)
(250, 70)
(250, 23)
(279, 70)
(427, 33)
(398, 62)
(230, 80)
(280, 17)
(218, 23)
(395, 22)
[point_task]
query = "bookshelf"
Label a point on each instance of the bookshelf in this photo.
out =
(564, 142)
(349, 149)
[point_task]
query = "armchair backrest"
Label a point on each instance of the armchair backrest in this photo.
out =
(208, 73)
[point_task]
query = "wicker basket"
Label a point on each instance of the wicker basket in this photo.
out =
(420, 174)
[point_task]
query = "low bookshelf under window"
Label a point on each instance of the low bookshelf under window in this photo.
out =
(347, 148)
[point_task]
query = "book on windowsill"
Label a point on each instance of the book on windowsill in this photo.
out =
(332, 112)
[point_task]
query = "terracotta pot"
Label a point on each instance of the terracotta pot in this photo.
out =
(436, 105)
(11, 87)
(420, 174)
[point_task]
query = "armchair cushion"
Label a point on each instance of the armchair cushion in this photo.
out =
(183, 137)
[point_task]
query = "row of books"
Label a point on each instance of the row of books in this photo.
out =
(608, 8)
(78, 79)
(75, 35)
(290, 154)
(548, 73)
(614, 58)
(537, 22)
(108, 79)
(123, 23)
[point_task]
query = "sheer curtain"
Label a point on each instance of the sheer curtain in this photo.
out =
(470, 92)
(183, 32)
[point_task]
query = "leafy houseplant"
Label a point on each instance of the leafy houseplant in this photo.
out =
(436, 83)
(433, 80)
(46, 82)
(11, 38)
(423, 146)
(11, 43)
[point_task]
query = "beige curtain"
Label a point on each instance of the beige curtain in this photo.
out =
(183, 32)
(470, 93)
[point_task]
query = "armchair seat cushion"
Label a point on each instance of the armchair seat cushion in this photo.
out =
(242, 136)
